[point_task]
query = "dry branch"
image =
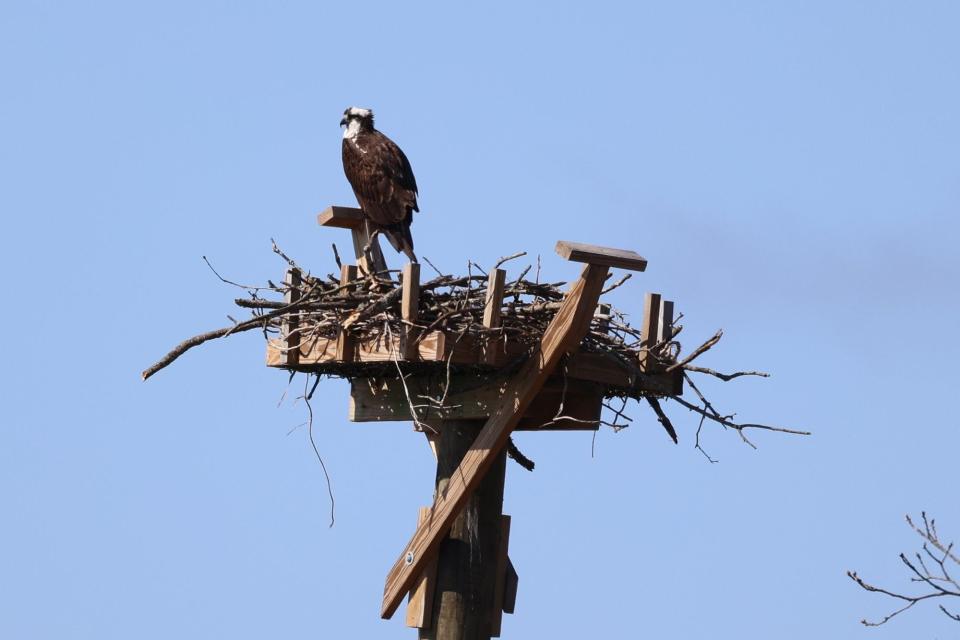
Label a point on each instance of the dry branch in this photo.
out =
(938, 583)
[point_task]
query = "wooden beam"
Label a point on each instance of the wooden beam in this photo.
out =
(472, 398)
(466, 561)
(592, 254)
(511, 582)
(291, 322)
(665, 324)
(361, 237)
(493, 347)
(341, 217)
(500, 587)
(409, 303)
(410, 309)
(494, 300)
(562, 335)
(648, 330)
(420, 602)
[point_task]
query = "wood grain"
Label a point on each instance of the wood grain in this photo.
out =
(341, 217)
(420, 602)
(648, 330)
(592, 254)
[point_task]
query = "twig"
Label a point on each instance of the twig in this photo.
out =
(616, 284)
(508, 258)
(236, 284)
(439, 273)
(518, 456)
(336, 256)
(662, 418)
(696, 352)
(726, 377)
(733, 425)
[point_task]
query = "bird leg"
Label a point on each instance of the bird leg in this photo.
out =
(368, 249)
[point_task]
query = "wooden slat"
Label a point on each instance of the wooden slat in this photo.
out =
(341, 217)
(409, 303)
(511, 582)
(493, 347)
(291, 322)
(563, 334)
(603, 316)
(592, 254)
(500, 586)
(386, 401)
(420, 602)
(346, 345)
(648, 330)
(494, 301)
(585, 366)
(665, 324)
(410, 309)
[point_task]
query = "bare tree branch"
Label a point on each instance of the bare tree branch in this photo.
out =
(941, 584)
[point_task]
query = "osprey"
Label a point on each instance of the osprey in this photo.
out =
(381, 178)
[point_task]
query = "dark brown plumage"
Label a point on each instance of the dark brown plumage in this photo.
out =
(381, 177)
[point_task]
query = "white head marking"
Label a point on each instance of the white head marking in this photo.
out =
(359, 112)
(352, 130)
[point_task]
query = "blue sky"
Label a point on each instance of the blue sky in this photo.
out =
(789, 169)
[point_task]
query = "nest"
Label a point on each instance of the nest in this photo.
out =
(306, 330)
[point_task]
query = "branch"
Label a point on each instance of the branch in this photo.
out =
(923, 575)
(517, 456)
(697, 352)
(726, 377)
(662, 417)
(189, 343)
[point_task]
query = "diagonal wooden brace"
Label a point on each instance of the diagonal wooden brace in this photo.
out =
(563, 334)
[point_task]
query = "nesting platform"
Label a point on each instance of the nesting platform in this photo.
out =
(459, 374)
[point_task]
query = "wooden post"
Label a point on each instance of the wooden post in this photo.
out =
(291, 322)
(465, 588)
(648, 330)
(562, 336)
(345, 342)
(491, 313)
(354, 220)
(410, 309)
(665, 327)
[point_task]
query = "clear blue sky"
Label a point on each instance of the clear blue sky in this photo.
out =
(789, 169)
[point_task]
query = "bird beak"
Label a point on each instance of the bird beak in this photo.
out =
(343, 122)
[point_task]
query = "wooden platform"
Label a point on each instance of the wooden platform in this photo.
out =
(478, 365)
(378, 395)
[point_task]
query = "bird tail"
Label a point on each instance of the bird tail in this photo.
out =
(400, 239)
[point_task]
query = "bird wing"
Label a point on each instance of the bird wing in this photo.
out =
(382, 178)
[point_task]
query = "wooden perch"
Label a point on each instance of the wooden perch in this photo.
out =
(601, 256)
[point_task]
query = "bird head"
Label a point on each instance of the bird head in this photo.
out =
(357, 118)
